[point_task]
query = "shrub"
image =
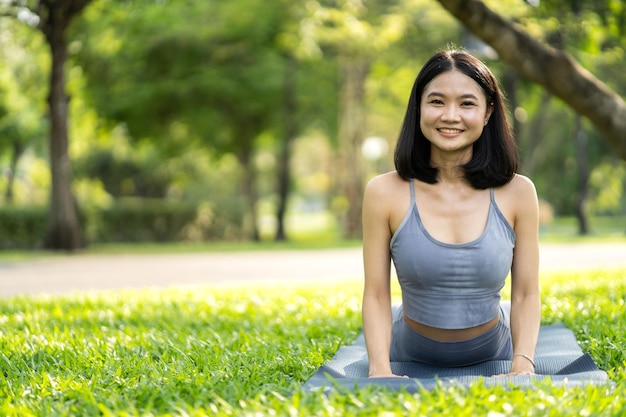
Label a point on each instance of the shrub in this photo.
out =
(22, 226)
(128, 220)
(142, 220)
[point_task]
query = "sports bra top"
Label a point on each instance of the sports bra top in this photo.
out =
(452, 286)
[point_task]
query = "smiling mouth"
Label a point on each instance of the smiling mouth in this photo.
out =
(448, 130)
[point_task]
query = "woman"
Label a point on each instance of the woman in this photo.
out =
(455, 218)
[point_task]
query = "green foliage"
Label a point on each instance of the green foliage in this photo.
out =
(592, 32)
(187, 77)
(130, 220)
(163, 220)
(223, 351)
(22, 227)
(548, 151)
(608, 182)
(209, 68)
(22, 100)
(125, 176)
(143, 220)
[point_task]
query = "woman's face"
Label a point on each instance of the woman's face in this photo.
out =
(453, 111)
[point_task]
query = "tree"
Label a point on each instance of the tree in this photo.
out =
(63, 228)
(22, 100)
(290, 129)
(593, 32)
(16, 142)
(187, 83)
(555, 70)
(53, 19)
(354, 32)
(294, 115)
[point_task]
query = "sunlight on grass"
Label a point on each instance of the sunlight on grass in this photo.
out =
(226, 350)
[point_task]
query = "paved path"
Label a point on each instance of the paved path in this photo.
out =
(57, 275)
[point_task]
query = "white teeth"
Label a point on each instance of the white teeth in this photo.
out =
(450, 130)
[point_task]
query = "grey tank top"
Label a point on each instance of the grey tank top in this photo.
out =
(452, 286)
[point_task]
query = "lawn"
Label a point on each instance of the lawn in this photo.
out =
(230, 351)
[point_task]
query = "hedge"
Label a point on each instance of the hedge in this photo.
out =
(127, 220)
(22, 227)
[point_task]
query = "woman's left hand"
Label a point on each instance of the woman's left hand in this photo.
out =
(513, 374)
(520, 366)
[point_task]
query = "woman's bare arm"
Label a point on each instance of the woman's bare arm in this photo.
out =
(525, 297)
(376, 309)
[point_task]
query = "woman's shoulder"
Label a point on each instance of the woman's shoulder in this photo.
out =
(521, 185)
(385, 196)
(519, 193)
(386, 184)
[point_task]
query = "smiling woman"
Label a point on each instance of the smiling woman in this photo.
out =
(455, 219)
(494, 144)
(454, 111)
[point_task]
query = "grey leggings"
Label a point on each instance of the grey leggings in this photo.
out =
(407, 345)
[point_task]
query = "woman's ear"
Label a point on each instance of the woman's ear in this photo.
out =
(489, 112)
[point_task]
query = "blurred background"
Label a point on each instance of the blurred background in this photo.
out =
(261, 120)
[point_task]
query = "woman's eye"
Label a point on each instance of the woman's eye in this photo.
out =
(437, 102)
(468, 104)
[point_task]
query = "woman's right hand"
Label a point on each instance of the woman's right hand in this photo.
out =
(387, 375)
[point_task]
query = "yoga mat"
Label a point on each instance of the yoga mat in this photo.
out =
(557, 357)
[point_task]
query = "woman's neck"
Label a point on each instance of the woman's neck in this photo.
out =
(450, 166)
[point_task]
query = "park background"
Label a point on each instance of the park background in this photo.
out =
(222, 126)
(248, 120)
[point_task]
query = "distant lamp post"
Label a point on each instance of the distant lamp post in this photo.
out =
(373, 149)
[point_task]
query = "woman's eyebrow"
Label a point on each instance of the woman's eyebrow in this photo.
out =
(463, 96)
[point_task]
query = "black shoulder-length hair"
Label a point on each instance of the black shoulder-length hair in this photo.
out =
(494, 160)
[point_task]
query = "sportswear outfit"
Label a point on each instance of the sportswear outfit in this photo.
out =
(451, 286)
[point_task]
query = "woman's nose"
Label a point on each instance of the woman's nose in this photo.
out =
(451, 113)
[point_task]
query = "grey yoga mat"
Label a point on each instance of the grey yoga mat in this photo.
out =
(558, 357)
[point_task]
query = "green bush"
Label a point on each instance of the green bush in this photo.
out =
(128, 220)
(22, 227)
(160, 220)
(142, 220)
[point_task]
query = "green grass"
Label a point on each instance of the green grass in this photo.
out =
(230, 351)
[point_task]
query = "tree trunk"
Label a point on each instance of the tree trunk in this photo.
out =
(582, 167)
(532, 155)
(63, 229)
(555, 70)
(249, 190)
(354, 72)
(17, 151)
(290, 123)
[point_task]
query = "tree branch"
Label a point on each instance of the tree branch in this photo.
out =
(555, 70)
